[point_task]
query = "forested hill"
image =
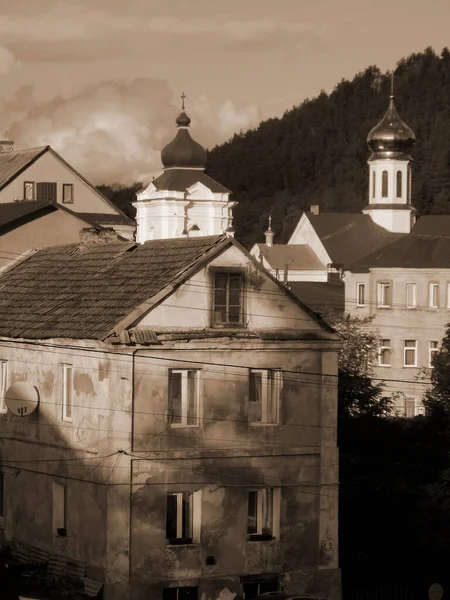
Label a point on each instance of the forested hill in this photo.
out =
(317, 154)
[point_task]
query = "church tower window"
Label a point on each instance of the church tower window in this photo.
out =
(384, 184)
(399, 184)
(374, 180)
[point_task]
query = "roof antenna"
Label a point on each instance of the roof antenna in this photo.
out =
(183, 98)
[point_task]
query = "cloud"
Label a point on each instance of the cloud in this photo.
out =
(114, 132)
(7, 60)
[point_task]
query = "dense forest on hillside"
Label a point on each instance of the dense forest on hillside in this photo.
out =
(316, 152)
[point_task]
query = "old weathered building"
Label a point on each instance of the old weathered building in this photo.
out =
(174, 431)
(44, 201)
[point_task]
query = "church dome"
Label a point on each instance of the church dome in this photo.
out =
(391, 138)
(183, 151)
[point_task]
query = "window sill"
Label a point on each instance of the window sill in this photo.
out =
(261, 424)
(388, 366)
(180, 542)
(260, 537)
(67, 419)
(183, 426)
(384, 307)
(410, 367)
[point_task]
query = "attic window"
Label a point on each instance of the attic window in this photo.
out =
(46, 191)
(67, 193)
(228, 305)
(28, 190)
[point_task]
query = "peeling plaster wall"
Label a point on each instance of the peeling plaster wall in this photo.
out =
(43, 448)
(267, 306)
(225, 457)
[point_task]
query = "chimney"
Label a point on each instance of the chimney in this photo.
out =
(98, 235)
(269, 233)
(6, 146)
(315, 209)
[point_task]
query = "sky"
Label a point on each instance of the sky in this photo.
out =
(100, 80)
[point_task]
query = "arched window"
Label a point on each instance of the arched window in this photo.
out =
(374, 179)
(399, 184)
(384, 184)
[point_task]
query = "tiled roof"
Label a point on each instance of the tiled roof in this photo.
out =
(82, 292)
(432, 225)
(13, 163)
(295, 256)
(179, 180)
(320, 296)
(348, 237)
(14, 211)
(410, 252)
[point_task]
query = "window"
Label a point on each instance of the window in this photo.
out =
(264, 395)
(399, 184)
(28, 190)
(374, 179)
(228, 298)
(384, 184)
(385, 352)
(67, 386)
(180, 593)
(410, 353)
(433, 295)
(384, 294)
(433, 347)
(413, 407)
(46, 191)
(184, 397)
(67, 193)
(448, 295)
(360, 294)
(59, 509)
(179, 518)
(263, 514)
(410, 295)
(3, 384)
(2, 499)
(256, 586)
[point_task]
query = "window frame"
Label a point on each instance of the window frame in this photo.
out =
(183, 535)
(259, 581)
(414, 288)
(184, 397)
(3, 384)
(360, 286)
(168, 595)
(33, 189)
(2, 499)
(399, 184)
(271, 386)
(268, 499)
(448, 295)
(57, 487)
(64, 187)
(409, 349)
(67, 415)
(433, 286)
(381, 286)
(214, 271)
(431, 351)
(385, 347)
(384, 184)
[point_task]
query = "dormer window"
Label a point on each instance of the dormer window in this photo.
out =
(228, 298)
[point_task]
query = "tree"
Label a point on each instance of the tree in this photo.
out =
(437, 397)
(358, 395)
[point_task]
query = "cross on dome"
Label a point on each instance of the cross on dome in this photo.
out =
(183, 98)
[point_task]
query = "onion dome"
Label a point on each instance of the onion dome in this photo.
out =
(183, 152)
(391, 138)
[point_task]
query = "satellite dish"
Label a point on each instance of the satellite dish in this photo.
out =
(435, 591)
(22, 398)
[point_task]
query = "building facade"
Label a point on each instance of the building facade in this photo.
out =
(179, 423)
